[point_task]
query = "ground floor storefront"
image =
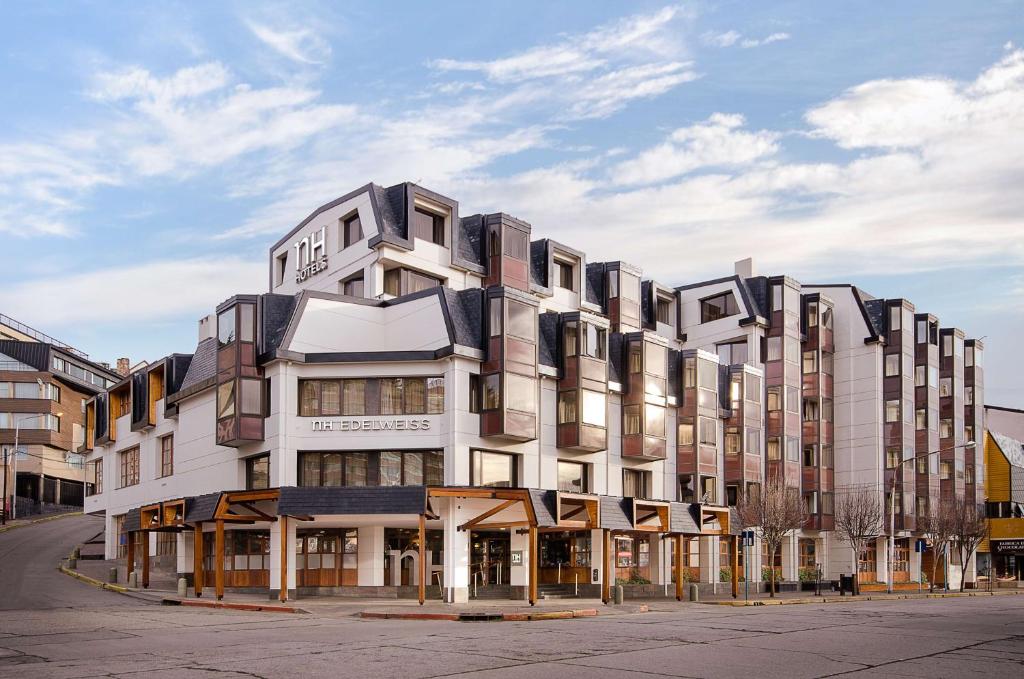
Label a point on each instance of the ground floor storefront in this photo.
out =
(428, 543)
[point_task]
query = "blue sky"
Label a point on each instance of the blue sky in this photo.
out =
(151, 152)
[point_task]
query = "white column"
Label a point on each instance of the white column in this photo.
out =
(519, 576)
(596, 557)
(822, 556)
(790, 558)
(882, 559)
(370, 561)
(708, 559)
(275, 555)
(456, 556)
(915, 561)
(660, 560)
(185, 550)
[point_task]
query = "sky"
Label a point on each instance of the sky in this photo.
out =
(150, 153)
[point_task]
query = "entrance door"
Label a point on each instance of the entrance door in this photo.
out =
(490, 557)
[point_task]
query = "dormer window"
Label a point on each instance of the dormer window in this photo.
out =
(351, 231)
(563, 275)
(664, 310)
(719, 306)
(428, 225)
(282, 267)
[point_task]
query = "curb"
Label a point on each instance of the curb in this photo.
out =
(496, 617)
(861, 597)
(54, 517)
(120, 589)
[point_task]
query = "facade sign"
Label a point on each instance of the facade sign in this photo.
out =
(516, 558)
(1015, 546)
(392, 424)
(311, 255)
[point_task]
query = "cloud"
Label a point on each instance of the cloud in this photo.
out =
(301, 45)
(731, 38)
(84, 297)
(716, 142)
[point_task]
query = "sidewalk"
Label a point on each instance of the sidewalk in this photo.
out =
(18, 523)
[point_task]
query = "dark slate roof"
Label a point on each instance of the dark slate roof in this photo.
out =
(675, 374)
(276, 313)
(35, 354)
(757, 293)
(132, 520)
(203, 365)
(539, 262)
(470, 241)
(544, 507)
(595, 284)
(304, 501)
(201, 507)
(465, 308)
(548, 345)
(616, 359)
(876, 315)
(616, 513)
(734, 522)
(391, 203)
(683, 517)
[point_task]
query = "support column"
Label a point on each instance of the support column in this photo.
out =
(283, 545)
(519, 576)
(679, 567)
(734, 565)
(130, 557)
(423, 559)
(370, 559)
(197, 553)
(456, 556)
(607, 573)
(145, 559)
(659, 569)
(218, 560)
(534, 559)
(882, 559)
(708, 560)
(596, 576)
(790, 562)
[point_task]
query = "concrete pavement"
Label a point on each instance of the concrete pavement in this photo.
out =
(100, 633)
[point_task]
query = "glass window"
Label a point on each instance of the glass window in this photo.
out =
(247, 313)
(390, 468)
(331, 470)
(570, 338)
(257, 472)
(777, 297)
(415, 396)
(572, 477)
(774, 448)
(428, 226)
(435, 395)
(969, 396)
(969, 357)
(947, 345)
(517, 244)
(774, 349)
(793, 448)
(595, 409)
(895, 313)
(630, 286)
(356, 469)
(354, 287)
(630, 420)
(634, 483)
(920, 375)
(826, 363)
(491, 391)
(892, 365)
(520, 393)
(921, 418)
(252, 396)
(129, 463)
(496, 470)
(719, 306)
(419, 282)
(689, 373)
(893, 457)
(774, 399)
(654, 416)
(664, 311)
(391, 389)
(810, 455)
(613, 284)
(732, 353)
(945, 470)
(226, 327)
(494, 315)
(353, 231)
(733, 441)
(656, 359)
(792, 399)
(685, 433)
(946, 386)
(595, 342)
(708, 488)
(686, 488)
(355, 397)
(522, 320)
(566, 407)
(810, 362)
(812, 314)
(167, 455)
(945, 428)
(753, 441)
(811, 410)
(226, 399)
(563, 275)
(892, 411)
(708, 431)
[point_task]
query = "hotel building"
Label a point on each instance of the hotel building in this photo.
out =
(44, 384)
(436, 405)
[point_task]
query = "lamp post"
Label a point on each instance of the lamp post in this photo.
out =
(892, 509)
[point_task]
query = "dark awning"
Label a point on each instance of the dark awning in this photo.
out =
(545, 504)
(201, 507)
(311, 501)
(684, 517)
(616, 513)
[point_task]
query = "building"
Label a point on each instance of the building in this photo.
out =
(44, 385)
(425, 403)
(1002, 554)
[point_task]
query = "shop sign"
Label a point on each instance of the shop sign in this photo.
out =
(516, 558)
(1008, 546)
(391, 424)
(311, 255)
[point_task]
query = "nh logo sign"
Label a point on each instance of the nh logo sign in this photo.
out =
(311, 255)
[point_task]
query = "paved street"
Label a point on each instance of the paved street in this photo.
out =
(54, 626)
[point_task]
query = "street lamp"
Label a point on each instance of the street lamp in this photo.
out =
(892, 508)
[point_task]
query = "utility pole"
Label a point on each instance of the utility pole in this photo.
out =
(3, 519)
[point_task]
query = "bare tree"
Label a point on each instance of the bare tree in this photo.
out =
(938, 524)
(859, 517)
(968, 530)
(773, 512)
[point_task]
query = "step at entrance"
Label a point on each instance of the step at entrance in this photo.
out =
(491, 592)
(555, 591)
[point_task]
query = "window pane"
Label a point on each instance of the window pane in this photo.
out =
(521, 320)
(310, 475)
(356, 469)
(226, 399)
(433, 468)
(332, 469)
(390, 468)
(247, 313)
(566, 407)
(569, 339)
(413, 469)
(391, 396)
(252, 397)
(415, 395)
(493, 469)
(226, 327)
(435, 395)
(355, 397)
(520, 393)
(309, 397)
(654, 424)
(595, 410)
(572, 477)
(492, 391)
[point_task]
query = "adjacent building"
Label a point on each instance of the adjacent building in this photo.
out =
(425, 403)
(44, 384)
(1002, 554)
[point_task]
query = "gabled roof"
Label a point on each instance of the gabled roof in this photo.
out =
(203, 365)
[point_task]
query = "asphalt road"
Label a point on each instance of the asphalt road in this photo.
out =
(54, 626)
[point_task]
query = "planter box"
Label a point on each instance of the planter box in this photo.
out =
(897, 587)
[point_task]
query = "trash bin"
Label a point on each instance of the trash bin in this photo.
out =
(846, 584)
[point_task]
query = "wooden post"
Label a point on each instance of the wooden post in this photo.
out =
(606, 572)
(197, 553)
(284, 559)
(423, 559)
(145, 559)
(534, 558)
(679, 568)
(131, 553)
(218, 558)
(735, 567)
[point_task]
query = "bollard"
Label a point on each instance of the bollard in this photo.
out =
(112, 575)
(617, 594)
(694, 593)
(182, 587)
(72, 563)
(133, 580)
(77, 553)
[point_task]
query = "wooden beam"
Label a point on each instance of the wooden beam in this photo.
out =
(131, 553)
(489, 513)
(197, 553)
(244, 518)
(578, 510)
(254, 510)
(534, 558)
(218, 560)
(284, 559)
(606, 550)
(735, 566)
(422, 575)
(500, 524)
(145, 559)
(679, 568)
(254, 495)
